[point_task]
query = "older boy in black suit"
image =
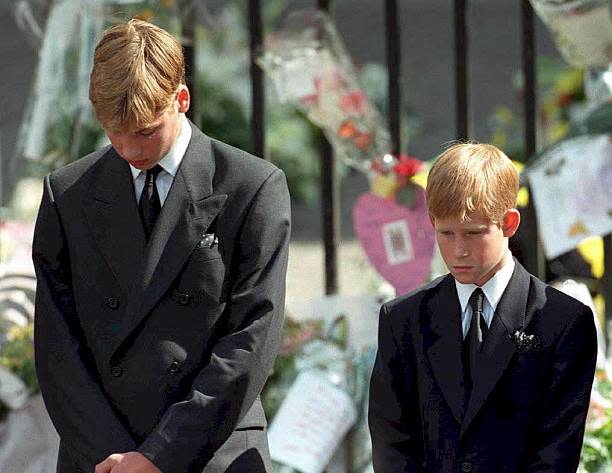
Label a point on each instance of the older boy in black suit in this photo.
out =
(161, 265)
(486, 369)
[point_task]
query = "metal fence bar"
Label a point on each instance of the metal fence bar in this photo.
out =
(533, 256)
(190, 70)
(257, 81)
(393, 47)
(461, 77)
(529, 73)
(330, 202)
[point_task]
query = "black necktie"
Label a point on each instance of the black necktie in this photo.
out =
(149, 204)
(472, 345)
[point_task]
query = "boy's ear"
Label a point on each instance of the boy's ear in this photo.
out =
(511, 222)
(183, 99)
(432, 220)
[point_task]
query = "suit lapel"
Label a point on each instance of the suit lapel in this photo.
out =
(187, 212)
(512, 314)
(444, 345)
(112, 214)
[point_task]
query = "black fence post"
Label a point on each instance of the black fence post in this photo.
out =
(533, 257)
(394, 75)
(191, 70)
(461, 72)
(330, 202)
(257, 81)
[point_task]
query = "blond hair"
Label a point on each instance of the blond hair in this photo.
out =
(138, 68)
(469, 178)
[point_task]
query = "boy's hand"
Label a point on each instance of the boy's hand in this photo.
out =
(130, 462)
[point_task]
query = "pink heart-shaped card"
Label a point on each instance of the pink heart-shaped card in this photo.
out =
(399, 241)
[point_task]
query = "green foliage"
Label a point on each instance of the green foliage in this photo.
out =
(17, 355)
(560, 92)
(597, 448)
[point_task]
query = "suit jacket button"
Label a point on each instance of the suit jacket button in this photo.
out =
(466, 467)
(174, 366)
(184, 299)
(116, 371)
(112, 303)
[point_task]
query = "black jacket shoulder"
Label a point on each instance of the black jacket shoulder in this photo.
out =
(406, 303)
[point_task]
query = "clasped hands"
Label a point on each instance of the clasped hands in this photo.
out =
(130, 462)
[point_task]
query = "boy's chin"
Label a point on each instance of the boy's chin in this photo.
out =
(464, 278)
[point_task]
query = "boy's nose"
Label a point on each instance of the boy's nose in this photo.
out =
(130, 151)
(461, 251)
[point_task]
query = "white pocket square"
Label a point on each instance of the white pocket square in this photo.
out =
(208, 240)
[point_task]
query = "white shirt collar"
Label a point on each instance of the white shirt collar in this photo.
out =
(493, 289)
(173, 158)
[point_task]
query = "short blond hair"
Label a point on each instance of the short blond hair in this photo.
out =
(469, 178)
(137, 70)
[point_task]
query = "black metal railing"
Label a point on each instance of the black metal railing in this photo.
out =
(532, 256)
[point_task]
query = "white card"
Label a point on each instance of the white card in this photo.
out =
(398, 244)
(311, 422)
(572, 190)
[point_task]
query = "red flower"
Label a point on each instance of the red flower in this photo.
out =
(353, 102)
(563, 100)
(347, 130)
(407, 166)
(362, 140)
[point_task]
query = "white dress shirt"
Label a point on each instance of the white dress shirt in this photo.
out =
(493, 290)
(169, 164)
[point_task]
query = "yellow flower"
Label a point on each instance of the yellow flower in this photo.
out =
(569, 82)
(558, 131)
(592, 251)
(385, 185)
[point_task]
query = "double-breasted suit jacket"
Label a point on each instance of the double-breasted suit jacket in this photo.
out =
(527, 409)
(161, 347)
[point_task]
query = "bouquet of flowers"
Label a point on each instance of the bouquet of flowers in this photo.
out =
(310, 68)
(310, 348)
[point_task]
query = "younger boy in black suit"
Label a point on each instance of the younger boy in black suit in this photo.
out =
(486, 369)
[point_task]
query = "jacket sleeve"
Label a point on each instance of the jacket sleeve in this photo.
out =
(67, 377)
(561, 427)
(393, 409)
(226, 387)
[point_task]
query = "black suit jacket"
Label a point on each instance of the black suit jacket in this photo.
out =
(528, 407)
(161, 348)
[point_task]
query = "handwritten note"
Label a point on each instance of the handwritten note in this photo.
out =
(311, 422)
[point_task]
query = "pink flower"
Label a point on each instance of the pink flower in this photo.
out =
(353, 102)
